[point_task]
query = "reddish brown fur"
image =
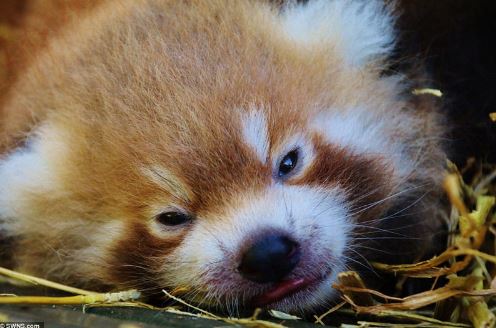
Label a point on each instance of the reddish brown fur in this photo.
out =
(144, 83)
(131, 259)
(364, 179)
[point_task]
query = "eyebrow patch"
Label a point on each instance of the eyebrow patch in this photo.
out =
(255, 133)
(166, 180)
(364, 133)
(355, 130)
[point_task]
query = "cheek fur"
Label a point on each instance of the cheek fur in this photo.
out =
(316, 217)
(138, 256)
(364, 179)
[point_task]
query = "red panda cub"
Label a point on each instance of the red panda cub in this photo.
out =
(243, 150)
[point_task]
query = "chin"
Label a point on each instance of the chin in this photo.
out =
(317, 295)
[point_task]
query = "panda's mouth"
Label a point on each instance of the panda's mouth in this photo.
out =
(285, 289)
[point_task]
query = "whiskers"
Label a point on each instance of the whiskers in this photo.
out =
(408, 191)
(372, 238)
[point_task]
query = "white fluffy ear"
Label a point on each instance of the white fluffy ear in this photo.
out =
(363, 30)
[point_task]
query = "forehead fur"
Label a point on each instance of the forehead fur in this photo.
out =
(129, 98)
(361, 30)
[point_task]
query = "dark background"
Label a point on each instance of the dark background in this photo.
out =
(456, 40)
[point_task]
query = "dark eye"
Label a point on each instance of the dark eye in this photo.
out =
(172, 218)
(288, 163)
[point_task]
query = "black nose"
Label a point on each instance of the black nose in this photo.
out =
(270, 259)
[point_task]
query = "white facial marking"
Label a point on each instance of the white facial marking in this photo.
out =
(100, 241)
(315, 217)
(363, 132)
(22, 172)
(354, 130)
(166, 180)
(291, 208)
(30, 173)
(255, 133)
(362, 29)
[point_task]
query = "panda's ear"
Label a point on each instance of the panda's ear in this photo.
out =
(361, 30)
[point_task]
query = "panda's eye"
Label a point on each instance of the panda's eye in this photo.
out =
(288, 163)
(172, 218)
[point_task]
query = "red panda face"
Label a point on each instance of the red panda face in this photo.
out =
(226, 148)
(266, 214)
(263, 205)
